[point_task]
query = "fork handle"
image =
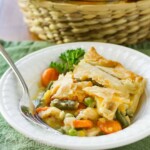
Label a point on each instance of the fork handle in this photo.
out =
(14, 68)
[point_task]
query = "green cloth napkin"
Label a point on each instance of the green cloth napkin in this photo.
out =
(10, 139)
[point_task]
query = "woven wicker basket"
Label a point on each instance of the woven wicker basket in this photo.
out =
(121, 23)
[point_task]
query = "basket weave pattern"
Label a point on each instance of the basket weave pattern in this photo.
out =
(122, 23)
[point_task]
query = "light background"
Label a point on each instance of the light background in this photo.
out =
(12, 26)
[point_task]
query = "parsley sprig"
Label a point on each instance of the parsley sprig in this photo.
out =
(67, 60)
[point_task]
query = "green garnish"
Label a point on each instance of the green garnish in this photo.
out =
(67, 60)
(60, 67)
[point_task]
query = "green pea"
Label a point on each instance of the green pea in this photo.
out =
(72, 132)
(90, 102)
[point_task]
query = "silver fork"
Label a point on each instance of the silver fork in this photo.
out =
(26, 106)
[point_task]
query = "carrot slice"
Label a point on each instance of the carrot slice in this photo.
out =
(109, 126)
(48, 75)
(39, 109)
(82, 124)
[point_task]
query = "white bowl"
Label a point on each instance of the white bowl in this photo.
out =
(31, 68)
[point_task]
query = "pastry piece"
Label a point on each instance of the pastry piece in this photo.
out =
(85, 71)
(94, 58)
(107, 100)
(66, 89)
(132, 82)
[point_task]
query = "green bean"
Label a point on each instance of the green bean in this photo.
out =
(39, 101)
(130, 113)
(65, 104)
(122, 119)
(49, 86)
(90, 79)
(96, 83)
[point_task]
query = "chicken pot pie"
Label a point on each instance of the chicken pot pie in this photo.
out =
(96, 97)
